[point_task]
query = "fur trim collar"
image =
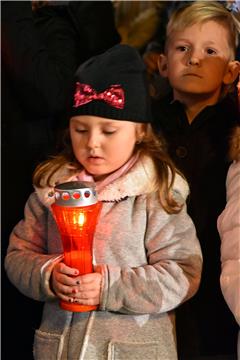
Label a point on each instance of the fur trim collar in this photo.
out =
(141, 179)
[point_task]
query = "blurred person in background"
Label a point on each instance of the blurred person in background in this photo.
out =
(43, 43)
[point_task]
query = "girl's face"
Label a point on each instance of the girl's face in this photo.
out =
(103, 145)
(198, 60)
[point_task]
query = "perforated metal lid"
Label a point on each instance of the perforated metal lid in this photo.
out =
(75, 193)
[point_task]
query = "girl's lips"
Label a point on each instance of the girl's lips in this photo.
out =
(95, 159)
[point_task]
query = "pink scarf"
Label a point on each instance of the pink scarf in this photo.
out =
(85, 176)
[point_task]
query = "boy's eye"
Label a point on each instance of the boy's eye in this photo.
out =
(211, 51)
(183, 48)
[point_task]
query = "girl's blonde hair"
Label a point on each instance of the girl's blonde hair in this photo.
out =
(199, 12)
(151, 145)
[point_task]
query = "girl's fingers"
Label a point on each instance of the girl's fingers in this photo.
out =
(65, 290)
(90, 301)
(83, 295)
(65, 298)
(66, 279)
(86, 298)
(87, 288)
(93, 278)
(64, 269)
(83, 289)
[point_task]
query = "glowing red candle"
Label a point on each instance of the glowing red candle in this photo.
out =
(76, 211)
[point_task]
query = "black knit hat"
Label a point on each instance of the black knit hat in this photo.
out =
(113, 85)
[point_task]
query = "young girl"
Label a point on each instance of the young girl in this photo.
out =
(147, 256)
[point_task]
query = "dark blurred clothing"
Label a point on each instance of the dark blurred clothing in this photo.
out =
(40, 52)
(205, 325)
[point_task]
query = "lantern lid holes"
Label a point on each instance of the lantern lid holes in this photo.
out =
(65, 196)
(87, 193)
(75, 193)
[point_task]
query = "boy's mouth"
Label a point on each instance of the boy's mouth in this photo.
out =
(193, 74)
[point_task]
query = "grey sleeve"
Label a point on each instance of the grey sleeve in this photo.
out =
(171, 276)
(27, 263)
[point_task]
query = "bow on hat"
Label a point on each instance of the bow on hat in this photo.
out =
(113, 96)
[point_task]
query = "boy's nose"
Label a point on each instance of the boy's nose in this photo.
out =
(193, 60)
(194, 57)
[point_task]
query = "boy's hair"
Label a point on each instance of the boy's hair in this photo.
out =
(151, 145)
(198, 12)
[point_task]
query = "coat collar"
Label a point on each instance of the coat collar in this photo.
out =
(140, 180)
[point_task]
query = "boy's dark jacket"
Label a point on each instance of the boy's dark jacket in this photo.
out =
(200, 150)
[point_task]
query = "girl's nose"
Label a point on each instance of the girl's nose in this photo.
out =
(93, 141)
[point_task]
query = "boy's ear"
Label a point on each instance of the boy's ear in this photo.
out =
(232, 72)
(162, 65)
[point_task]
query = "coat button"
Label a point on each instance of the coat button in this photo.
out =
(181, 151)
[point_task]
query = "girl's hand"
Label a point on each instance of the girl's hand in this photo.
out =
(63, 280)
(87, 291)
(71, 287)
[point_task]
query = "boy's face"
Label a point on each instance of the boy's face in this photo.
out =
(197, 61)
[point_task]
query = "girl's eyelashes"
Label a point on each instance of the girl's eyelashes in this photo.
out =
(109, 132)
(80, 130)
(106, 132)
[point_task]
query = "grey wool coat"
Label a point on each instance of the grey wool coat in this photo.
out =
(150, 261)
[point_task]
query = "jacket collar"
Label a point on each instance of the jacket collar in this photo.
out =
(140, 180)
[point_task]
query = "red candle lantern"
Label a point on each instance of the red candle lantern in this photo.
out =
(76, 211)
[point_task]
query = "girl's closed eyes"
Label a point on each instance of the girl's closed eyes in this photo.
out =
(102, 131)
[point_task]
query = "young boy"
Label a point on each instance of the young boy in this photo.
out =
(196, 120)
